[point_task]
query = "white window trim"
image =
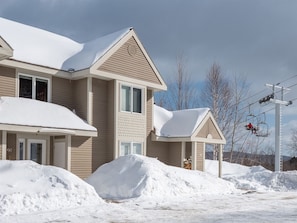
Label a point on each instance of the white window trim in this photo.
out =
(131, 147)
(131, 98)
(34, 85)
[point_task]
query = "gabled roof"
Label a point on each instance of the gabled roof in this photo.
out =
(5, 49)
(28, 115)
(186, 125)
(42, 48)
(53, 50)
(182, 123)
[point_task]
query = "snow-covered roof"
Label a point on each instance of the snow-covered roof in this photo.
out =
(182, 123)
(47, 117)
(44, 48)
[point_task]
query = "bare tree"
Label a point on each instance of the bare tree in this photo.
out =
(293, 143)
(223, 97)
(181, 93)
(217, 95)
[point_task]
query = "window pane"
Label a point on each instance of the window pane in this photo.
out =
(41, 90)
(21, 151)
(125, 149)
(25, 90)
(137, 100)
(36, 152)
(126, 98)
(137, 148)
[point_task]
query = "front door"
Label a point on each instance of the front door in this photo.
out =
(60, 154)
(36, 150)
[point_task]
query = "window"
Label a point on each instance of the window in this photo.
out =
(25, 87)
(131, 99)
(32, 87)
(130, 148)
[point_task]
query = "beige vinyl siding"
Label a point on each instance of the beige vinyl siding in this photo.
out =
(131, 126)
(7, 81)
(209, 128)
(80, 97)
(0, 145)
(81, 147)
(81, 156)
(62, 92)
(133, 66)
(175, 154)
(102, 99)
(158, 150)
(188, 150)
(149, 113)
(111, 120)
(11, 146)
(200, 157)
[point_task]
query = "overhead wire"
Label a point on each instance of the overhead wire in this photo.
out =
(255, 102)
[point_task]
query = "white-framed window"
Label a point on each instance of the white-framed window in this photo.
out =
(131, 99)
(34, 87)
(127, 148)
(21, 155)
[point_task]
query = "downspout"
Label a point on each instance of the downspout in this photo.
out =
(89, 101)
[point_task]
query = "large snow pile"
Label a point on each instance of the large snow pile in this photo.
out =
(27, 187)
(139, 176)
(256, 177)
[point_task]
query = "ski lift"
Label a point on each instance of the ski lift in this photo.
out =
(251, 120)
(262, 127)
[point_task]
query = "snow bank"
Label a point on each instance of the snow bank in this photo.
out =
(27, 187)
(139, 176)
(256, 177)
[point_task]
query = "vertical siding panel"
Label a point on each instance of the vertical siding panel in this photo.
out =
(111, 120)
(100, 121)
(149, 112)
(81, 147)
(62, 92)
(7, 81)
(200, 156)
(159, 150)
(81, 156)
(175, 154)
(149, 119)
(80, 97)
(11, 144)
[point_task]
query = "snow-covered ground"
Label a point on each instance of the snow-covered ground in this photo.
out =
(142, 189)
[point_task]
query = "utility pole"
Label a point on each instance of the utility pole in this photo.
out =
(278, 102)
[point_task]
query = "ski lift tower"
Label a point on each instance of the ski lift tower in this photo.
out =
(278, 102)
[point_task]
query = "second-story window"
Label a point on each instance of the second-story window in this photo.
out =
(33, 87)
(131, 99)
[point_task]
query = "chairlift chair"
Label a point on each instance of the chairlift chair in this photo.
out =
(262, 127)
(250, 118)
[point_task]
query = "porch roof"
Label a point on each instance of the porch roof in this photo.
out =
(27, 115)
(187, 125)
(182, 123)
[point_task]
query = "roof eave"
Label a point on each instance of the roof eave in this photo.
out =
(47, 130)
